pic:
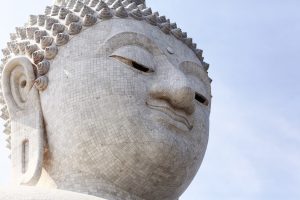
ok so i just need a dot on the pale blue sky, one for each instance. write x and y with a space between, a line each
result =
253 47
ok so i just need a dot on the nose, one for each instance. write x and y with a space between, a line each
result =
173 87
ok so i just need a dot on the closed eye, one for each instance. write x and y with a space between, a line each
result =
133 64
201 99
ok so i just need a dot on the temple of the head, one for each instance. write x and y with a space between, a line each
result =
103 100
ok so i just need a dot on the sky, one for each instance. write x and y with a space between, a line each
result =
253 49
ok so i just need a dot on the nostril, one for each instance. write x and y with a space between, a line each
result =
201 99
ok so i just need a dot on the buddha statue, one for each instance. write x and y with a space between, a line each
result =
103 100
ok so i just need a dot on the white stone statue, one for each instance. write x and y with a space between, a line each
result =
106 99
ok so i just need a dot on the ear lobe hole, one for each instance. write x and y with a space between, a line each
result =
25 152
23 84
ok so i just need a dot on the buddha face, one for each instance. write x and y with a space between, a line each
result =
127 107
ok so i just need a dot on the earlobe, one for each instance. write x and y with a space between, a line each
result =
27 129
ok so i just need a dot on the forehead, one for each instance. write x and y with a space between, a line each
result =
115 33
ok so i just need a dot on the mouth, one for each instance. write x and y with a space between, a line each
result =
174 115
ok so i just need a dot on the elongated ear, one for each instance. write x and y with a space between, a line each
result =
27 129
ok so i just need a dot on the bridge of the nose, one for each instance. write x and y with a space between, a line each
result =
172 85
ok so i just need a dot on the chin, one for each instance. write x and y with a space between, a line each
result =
151 167
157 159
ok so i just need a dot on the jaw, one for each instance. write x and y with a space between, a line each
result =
151 168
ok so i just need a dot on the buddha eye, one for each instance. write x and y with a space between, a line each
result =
201 99
133 64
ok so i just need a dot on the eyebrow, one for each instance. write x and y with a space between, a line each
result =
192 68
132 38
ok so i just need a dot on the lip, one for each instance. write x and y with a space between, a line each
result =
174 115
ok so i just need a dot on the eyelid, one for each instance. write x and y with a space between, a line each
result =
136 54
192 69
133 64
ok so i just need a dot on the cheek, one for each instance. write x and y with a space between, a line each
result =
200 133
121 81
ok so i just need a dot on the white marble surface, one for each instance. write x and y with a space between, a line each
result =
121 113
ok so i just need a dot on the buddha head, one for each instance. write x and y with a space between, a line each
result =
105 98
